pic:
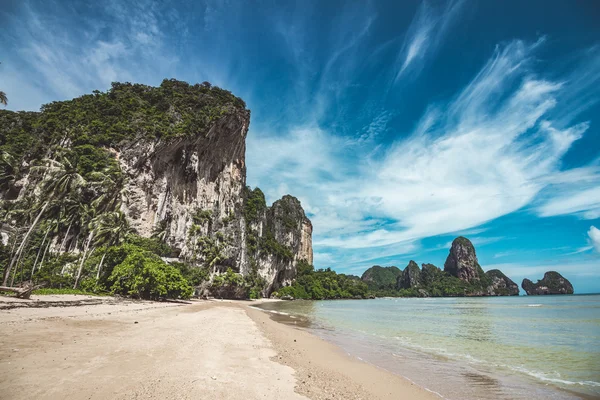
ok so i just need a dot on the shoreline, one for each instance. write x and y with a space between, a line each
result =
124 349
324 370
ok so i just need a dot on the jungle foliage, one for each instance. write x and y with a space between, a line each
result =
323 284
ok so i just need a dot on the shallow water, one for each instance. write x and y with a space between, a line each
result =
477 348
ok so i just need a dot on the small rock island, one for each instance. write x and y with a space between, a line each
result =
552 283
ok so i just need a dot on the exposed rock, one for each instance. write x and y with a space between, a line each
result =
381 278
171 182
286 235
201 182
411 276
501 285
462 261
552 283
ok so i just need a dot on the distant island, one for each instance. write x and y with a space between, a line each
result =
462 276
552 283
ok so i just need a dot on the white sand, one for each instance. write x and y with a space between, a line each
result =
202 350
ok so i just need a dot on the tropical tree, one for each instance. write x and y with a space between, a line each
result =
112 192
3 98
88 223
58 179
111 231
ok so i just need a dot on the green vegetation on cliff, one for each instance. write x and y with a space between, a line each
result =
381 278
121 114
323 285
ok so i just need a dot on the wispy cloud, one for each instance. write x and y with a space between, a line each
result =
424 35
482 159
65 56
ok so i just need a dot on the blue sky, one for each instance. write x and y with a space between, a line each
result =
399 125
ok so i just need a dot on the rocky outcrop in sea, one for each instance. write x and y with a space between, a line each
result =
551 283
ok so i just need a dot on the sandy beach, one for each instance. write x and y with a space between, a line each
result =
84 347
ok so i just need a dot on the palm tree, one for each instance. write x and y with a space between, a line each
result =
112 192
112 230
58 179
3 98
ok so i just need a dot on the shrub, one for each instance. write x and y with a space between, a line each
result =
144 275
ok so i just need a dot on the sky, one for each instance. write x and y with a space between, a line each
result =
399 125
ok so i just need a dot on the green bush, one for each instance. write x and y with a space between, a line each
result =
144 275
194 275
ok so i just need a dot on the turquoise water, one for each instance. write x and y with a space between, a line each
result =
480 348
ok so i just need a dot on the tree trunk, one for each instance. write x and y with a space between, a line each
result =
39 252
100 266
85 252
44 256
62 245
19 252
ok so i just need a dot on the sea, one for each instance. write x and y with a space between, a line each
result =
525 347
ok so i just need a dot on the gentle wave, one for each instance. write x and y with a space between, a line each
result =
544 377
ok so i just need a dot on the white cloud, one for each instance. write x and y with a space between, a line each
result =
487 153
426 31
486 157
63 57
594 235
574 200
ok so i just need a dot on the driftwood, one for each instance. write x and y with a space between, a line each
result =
22 292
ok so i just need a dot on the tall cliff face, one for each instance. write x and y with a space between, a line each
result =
462 261
190 188
279 237
170 159
411 276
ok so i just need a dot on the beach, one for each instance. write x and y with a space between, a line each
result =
85 347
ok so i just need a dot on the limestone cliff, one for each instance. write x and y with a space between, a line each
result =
551 283
411 276
278 236
170 160
462 261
